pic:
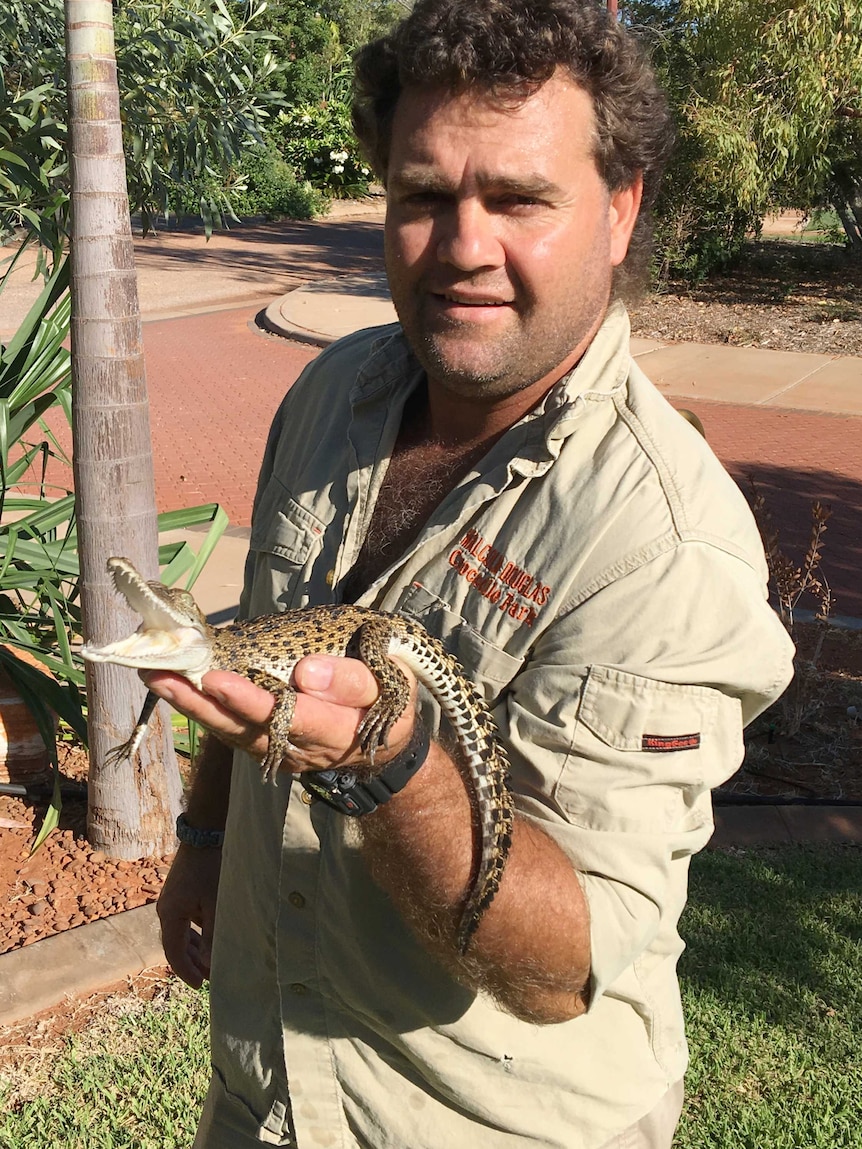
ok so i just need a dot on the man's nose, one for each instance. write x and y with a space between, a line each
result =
468 238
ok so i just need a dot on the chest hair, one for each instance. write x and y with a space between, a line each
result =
421 472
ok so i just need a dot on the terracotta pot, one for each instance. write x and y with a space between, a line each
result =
23 757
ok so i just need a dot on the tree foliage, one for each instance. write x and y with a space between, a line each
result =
768 100
197 83
313 131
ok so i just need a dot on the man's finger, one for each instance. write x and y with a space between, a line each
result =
230 693
231 707
240 696
346 681
181 945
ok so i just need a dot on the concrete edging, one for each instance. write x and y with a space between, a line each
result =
78 962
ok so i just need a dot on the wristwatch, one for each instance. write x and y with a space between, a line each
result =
201 839
346 793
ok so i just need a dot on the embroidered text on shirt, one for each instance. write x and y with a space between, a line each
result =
508 586
662 742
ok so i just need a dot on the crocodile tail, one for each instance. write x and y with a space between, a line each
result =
487 764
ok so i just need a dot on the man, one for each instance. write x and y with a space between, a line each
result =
499 469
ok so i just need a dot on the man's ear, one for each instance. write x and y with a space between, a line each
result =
623 213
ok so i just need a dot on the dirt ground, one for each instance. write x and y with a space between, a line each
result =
785 295
65 883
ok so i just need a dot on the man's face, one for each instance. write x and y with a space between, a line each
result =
501 237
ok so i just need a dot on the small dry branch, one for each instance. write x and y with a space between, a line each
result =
791 581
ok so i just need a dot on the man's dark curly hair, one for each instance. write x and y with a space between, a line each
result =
509 48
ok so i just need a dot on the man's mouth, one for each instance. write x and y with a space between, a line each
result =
463 299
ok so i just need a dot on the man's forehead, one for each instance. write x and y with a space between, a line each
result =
427 119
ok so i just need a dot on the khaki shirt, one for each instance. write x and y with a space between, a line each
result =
602 580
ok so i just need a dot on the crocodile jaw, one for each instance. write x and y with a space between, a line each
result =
183 650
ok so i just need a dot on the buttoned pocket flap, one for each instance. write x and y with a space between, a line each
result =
284 527
630 712
645 752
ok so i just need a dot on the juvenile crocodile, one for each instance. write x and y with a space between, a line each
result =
174 635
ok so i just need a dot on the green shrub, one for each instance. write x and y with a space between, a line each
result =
272 188
317 139
263 184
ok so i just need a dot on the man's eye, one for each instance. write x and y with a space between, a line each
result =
517 201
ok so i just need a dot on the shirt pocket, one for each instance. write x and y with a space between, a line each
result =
285 540
489 667
645 753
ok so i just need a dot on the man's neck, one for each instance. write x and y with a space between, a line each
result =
423 469
457 420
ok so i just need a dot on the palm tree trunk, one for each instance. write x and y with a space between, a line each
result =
131 806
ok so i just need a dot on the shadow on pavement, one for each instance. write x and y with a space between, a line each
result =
305 248
789 495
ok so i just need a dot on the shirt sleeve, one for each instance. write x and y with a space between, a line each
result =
630 710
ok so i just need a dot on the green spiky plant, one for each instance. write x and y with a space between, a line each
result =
39 573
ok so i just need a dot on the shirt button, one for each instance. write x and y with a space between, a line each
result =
298 988
296 900
330 577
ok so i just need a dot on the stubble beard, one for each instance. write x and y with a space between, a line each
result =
454 357
490 371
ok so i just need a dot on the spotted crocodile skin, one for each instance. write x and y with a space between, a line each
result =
175 635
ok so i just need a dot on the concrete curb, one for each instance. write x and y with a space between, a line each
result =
272 321
762 825
328 309
78 962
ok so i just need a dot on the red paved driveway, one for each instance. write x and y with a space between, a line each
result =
214 387
796 458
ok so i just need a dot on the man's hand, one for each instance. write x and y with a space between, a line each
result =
188 900
333 695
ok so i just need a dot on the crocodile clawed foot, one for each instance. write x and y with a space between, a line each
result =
279 734
373 730
120 754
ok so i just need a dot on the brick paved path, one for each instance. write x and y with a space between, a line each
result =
214 387
796 458
215 384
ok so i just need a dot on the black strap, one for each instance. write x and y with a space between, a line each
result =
344 791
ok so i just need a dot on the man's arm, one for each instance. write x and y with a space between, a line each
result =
531 950
189 895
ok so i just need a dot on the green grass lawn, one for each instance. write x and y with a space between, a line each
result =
133 1078
772 985
772 982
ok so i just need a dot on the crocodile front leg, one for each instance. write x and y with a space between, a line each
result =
373 639
280 723
125 751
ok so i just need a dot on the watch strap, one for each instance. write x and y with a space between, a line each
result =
200 839
353 796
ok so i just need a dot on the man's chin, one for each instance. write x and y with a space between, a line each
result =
457 363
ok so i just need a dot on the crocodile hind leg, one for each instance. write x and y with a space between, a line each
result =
125 751
373 639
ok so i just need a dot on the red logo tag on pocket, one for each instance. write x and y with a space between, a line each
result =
664 742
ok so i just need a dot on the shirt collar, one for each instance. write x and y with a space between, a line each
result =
601 372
